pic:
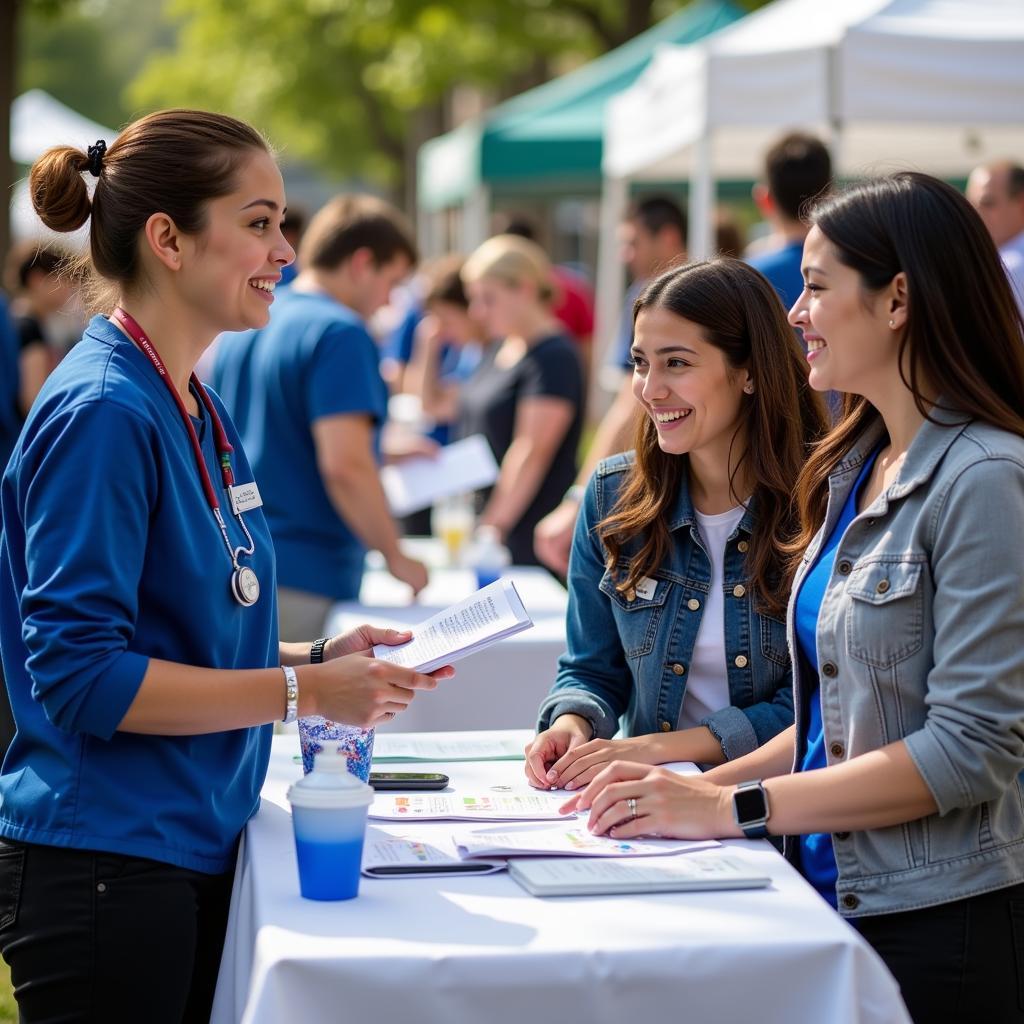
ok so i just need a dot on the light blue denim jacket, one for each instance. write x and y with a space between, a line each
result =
921 639
628 655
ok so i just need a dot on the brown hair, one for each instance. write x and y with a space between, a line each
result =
741 315
444 282
963 335
351 222
172 162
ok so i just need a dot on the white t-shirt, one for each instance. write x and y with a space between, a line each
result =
707 687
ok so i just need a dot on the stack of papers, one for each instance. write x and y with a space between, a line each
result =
561 877
472 625
386 856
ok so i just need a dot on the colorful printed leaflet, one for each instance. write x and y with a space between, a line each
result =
386 856
566 841
468 807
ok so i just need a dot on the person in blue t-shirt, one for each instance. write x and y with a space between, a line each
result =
797 169
138 620
309 401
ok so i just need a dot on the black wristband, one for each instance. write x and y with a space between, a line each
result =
316 650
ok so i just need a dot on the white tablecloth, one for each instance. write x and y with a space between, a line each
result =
500 688
479 949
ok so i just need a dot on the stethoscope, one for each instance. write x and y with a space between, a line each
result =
245 585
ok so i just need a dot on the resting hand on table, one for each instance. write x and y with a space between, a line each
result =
352 686
566 733
581 763
626 800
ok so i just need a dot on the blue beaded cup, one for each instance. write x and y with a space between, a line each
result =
317 733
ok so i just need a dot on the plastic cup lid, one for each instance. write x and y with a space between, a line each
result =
330 785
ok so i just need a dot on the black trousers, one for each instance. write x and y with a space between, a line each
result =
957 963
102 937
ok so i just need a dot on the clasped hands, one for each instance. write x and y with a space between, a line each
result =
627 798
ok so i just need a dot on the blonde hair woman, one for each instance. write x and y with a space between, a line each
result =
526 396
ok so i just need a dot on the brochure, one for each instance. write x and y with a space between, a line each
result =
387 856
595 877
467 807
566 840
442 746
472 625
462 466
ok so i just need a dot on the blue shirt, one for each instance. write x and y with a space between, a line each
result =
817 859
10 418
111 556
624 336
314 359
782 268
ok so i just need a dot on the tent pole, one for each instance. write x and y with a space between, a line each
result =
702 200
476 218
610 287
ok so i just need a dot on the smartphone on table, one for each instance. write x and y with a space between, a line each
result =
408 780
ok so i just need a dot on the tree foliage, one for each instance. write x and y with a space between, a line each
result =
338 82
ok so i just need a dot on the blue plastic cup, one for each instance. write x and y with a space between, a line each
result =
329 819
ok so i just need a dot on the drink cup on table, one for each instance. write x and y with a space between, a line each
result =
329 819
317 734
452 521
489 557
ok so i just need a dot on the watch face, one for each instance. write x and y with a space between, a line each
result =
750 804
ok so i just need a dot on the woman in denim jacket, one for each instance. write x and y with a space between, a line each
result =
907 613
677 580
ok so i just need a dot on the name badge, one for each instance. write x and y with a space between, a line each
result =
244 497
646 588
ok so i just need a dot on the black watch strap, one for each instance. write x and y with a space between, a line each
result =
316 650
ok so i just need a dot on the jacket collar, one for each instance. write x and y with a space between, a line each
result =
683 514
927 450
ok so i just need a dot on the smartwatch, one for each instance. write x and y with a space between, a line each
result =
750 809
316 650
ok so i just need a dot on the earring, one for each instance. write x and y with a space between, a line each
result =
748 388
892 323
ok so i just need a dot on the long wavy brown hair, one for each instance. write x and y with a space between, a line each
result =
964 336
740 314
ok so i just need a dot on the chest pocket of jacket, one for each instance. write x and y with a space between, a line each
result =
885 622
774 645
638 619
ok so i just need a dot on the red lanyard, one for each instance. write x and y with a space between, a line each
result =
224 448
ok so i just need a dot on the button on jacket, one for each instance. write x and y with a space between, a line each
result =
628 654
921 639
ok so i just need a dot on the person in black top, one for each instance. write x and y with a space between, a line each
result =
526 396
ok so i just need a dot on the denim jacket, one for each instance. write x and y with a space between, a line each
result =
921 639
627 654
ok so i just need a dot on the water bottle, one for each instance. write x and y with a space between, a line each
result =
329 808
490 556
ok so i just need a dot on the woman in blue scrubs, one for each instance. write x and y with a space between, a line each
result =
137 582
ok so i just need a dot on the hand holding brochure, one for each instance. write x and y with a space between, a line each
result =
465 465
468 807
591 877
472 625
565 840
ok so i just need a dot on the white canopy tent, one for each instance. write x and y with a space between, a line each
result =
935 85
39 121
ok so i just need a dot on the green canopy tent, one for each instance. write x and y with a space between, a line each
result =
548 140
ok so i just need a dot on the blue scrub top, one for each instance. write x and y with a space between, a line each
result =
314 359
111 556
817 858
782 268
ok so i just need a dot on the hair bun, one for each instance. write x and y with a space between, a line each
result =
59 193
